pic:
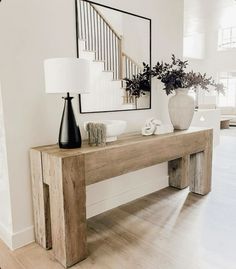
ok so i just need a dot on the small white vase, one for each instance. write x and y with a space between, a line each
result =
181 109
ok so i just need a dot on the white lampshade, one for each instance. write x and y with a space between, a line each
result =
67 75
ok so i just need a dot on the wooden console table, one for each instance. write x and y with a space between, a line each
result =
59 178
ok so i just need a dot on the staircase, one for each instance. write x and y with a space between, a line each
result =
100 44
107 93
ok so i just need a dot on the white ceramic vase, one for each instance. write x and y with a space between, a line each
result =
181 109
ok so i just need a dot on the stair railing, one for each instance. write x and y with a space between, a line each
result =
100 37
131 68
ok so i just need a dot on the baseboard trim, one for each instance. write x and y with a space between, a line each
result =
5 235
23 237
18 239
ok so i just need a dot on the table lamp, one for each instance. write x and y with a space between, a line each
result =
67 75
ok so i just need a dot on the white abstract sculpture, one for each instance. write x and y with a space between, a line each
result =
154 126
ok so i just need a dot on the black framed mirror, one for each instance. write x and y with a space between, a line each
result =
116 42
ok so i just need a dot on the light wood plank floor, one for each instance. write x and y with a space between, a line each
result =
169 229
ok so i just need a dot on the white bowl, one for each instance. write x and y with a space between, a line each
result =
114 128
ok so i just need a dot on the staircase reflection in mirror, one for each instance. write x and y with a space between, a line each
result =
116 43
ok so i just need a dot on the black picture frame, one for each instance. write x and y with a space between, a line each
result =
150 52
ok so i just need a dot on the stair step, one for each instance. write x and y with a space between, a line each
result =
108 71
89 50
102 61
89 55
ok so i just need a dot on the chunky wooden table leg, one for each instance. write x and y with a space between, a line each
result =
200 173
40 193
179 172
201 169
68 211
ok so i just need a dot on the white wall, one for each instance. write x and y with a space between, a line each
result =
5 204
136 43
194 46
32 30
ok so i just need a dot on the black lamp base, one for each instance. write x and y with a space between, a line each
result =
69 135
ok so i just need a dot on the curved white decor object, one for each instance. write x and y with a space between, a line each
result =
181 109
114 128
